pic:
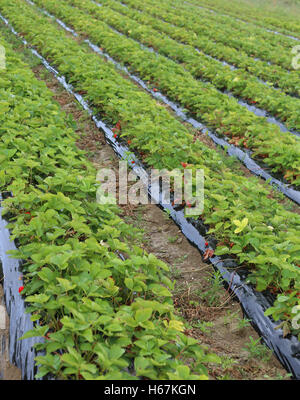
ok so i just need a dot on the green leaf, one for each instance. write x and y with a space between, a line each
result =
129 283
66 284
143 315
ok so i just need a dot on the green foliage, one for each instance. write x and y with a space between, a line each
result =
70 243
101 317
283 16
213 295
165 19
257 350
269 243
226 116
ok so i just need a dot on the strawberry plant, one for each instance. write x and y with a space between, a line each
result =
77 286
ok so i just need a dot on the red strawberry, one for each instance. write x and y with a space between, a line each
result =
21 288
206 244
184 164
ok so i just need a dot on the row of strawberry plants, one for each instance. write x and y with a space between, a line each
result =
270 232
102 318
286 24
278 76
278 55
228 23
254 133
239 82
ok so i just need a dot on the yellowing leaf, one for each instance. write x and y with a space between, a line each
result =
241 225
177 325
66 284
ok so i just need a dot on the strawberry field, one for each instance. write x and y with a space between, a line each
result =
202 84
